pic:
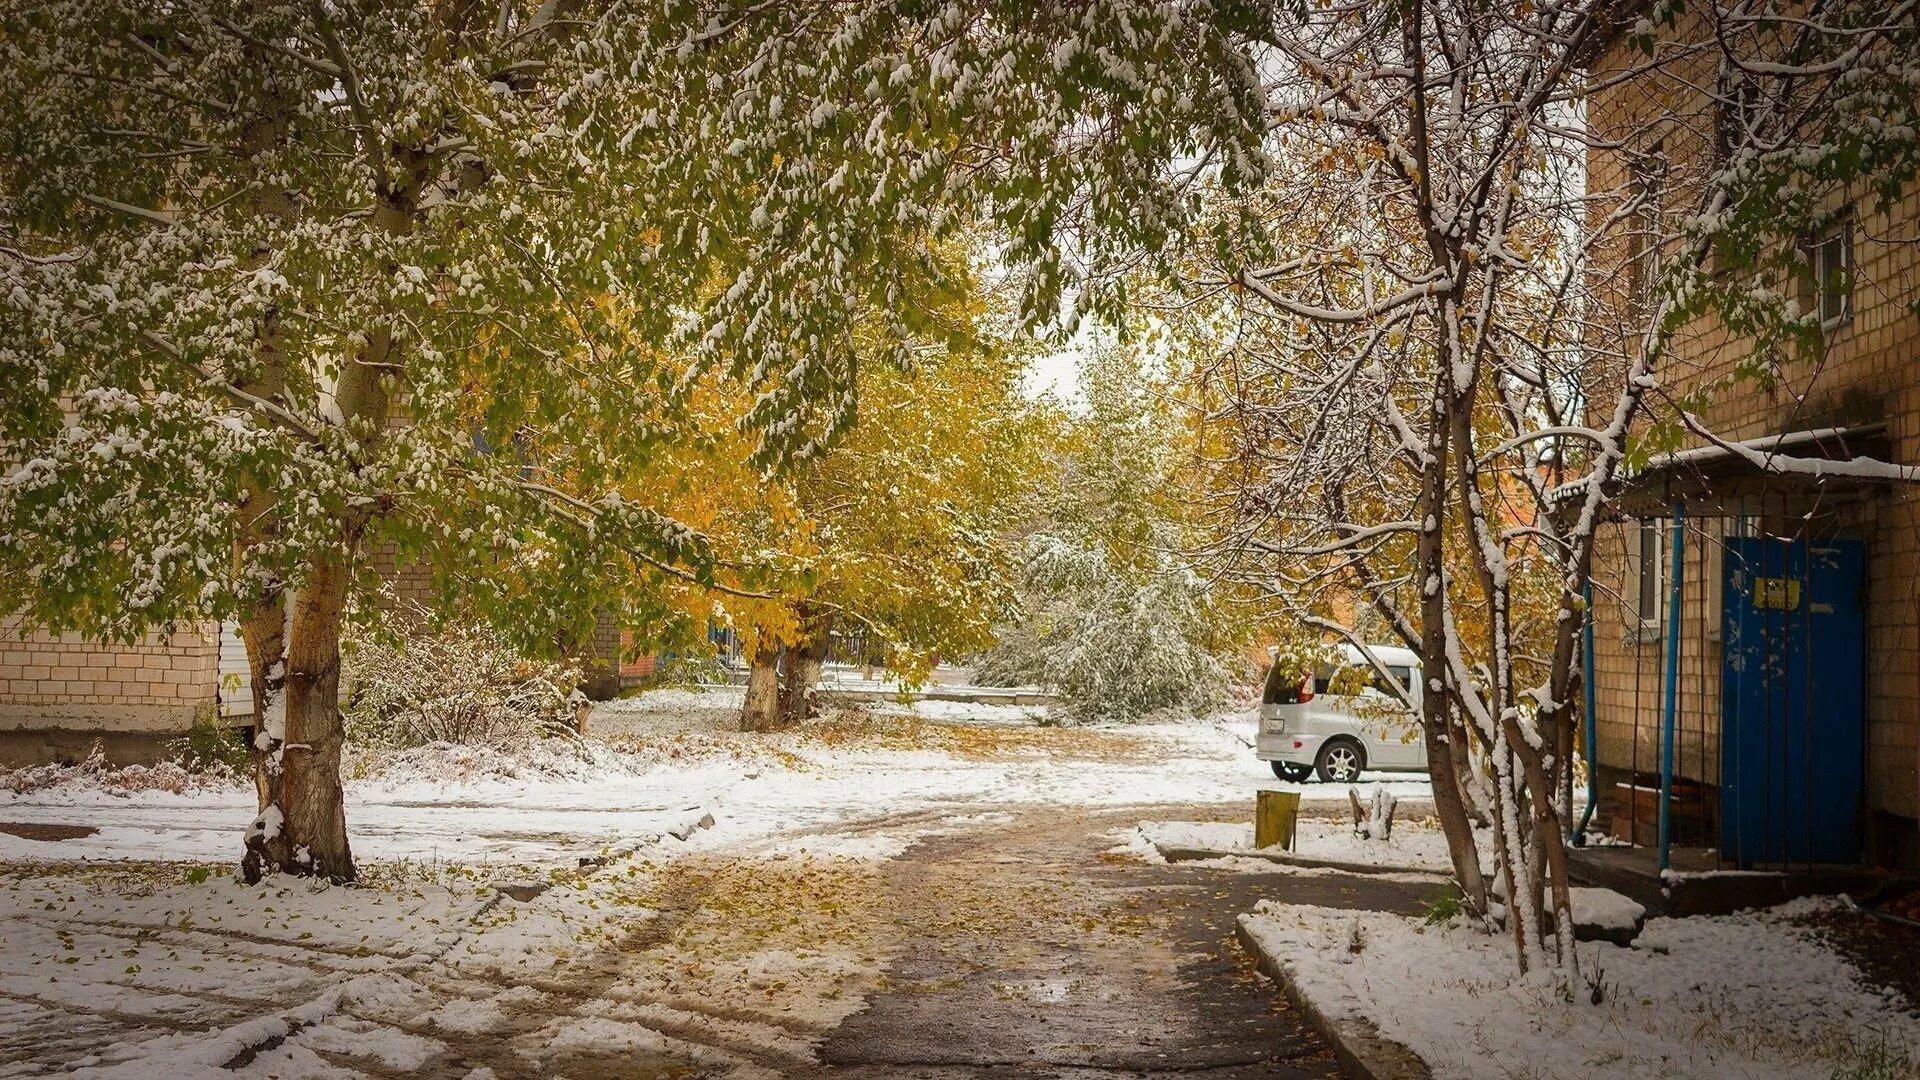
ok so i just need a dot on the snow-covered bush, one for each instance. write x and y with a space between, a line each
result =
96 773
462 685
1115 644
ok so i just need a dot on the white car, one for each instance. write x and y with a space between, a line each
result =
1306 730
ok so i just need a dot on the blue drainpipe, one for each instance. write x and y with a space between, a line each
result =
1673 685
1586 714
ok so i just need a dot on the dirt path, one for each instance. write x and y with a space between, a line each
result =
996 945
1027 952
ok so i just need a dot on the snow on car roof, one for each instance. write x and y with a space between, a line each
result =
1388 654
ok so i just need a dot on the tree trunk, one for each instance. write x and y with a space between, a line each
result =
762 709
1463 775
801 701
1449 804
263 631
302 824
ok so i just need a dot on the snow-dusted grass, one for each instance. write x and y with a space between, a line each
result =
1743 996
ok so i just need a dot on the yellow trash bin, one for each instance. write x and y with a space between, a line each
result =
1274 814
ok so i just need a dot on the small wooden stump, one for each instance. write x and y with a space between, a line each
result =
582 711
1377 823
1274 815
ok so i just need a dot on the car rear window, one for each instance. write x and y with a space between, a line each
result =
1281 688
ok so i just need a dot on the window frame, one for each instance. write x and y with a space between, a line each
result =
1823 275
1645 252
1652 573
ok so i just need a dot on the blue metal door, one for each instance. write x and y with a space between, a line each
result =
1793 701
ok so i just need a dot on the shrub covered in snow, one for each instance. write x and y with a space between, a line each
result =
462 685
97 773
1114 618
1117 644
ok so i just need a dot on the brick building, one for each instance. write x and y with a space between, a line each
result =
1796 682
59 693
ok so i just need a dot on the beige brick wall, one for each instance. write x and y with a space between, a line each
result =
62 681
1870 373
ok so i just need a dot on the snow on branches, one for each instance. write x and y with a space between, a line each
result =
1427 340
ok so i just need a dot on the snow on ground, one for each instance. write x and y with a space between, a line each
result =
661 752
738 945
124 976
968 712
1414 845
741 944
1604 909
1739 996
136 971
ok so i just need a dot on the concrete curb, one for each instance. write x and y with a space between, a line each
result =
1363 1053
685 827
1174 853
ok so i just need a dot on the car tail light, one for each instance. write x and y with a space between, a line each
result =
1306 689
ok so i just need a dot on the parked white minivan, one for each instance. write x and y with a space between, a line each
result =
1306 730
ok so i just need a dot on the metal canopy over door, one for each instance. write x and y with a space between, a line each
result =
1793 710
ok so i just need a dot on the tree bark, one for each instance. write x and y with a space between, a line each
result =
762 709
801 701
1449 804
263 631
302 824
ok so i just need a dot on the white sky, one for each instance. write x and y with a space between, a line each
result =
1058 374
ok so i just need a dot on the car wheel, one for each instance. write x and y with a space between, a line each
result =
1340 761
1287 770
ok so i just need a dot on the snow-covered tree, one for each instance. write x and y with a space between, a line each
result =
296 293
292 291
1113 614
1430 366
1116 642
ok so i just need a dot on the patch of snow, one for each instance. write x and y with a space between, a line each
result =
968 712
872 846
352 1037
1725 997
1221 835
1604 908
602 1036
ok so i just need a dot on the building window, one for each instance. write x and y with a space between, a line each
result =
1831 256
1644 231
1653 593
